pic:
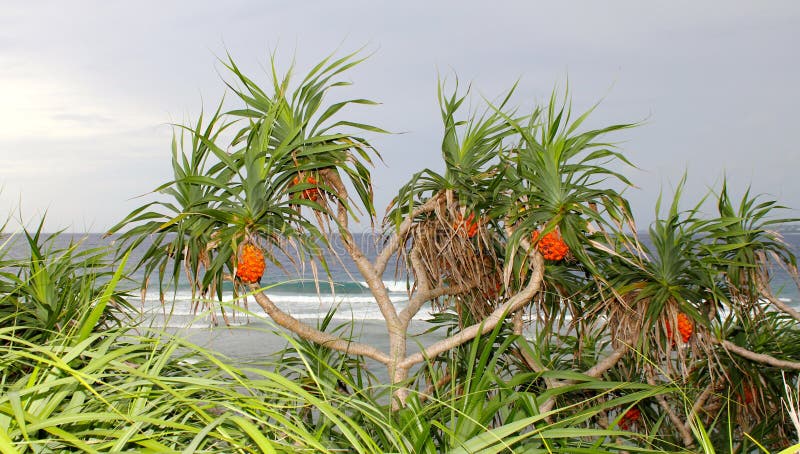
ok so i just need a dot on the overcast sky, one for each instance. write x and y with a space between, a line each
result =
87 88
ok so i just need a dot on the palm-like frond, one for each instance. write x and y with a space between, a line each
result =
45 294
250 189
666 278
559 178
470 152
743 245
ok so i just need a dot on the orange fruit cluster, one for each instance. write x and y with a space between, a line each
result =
551 245
630 417
467 226
311 194
685 327
493 293
749 394
251 264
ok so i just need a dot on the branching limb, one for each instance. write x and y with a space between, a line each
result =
512 305
395 241
766 292
686 435
757 357
312 334
373 279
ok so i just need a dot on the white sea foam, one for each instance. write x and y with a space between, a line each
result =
180 310
279 298
393 286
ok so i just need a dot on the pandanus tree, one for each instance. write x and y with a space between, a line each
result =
527 217
756 346
678 303
251 192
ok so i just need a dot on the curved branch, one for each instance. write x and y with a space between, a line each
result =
422 283
512 305
608 362
312 334
421 297
688 439
595 372
757 357
395 240
373 279
698 404
433 387
424 291
532 362
766 292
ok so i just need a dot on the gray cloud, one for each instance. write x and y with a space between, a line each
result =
715 82
85 119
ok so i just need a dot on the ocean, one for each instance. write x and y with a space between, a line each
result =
294 291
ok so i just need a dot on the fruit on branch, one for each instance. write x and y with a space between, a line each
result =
685 327
468 226
311 194
749 394
629 418
492 293
551 246
251 264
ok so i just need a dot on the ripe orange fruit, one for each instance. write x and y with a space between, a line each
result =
493 293
251 264
551 245
311 194
749 394
630 417
685 327
467 226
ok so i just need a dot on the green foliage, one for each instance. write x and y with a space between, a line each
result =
470 150
558 176
250 188
120 389
743 246
59 290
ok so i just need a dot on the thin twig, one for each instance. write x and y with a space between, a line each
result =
701 400
766 292
688 439
428 393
